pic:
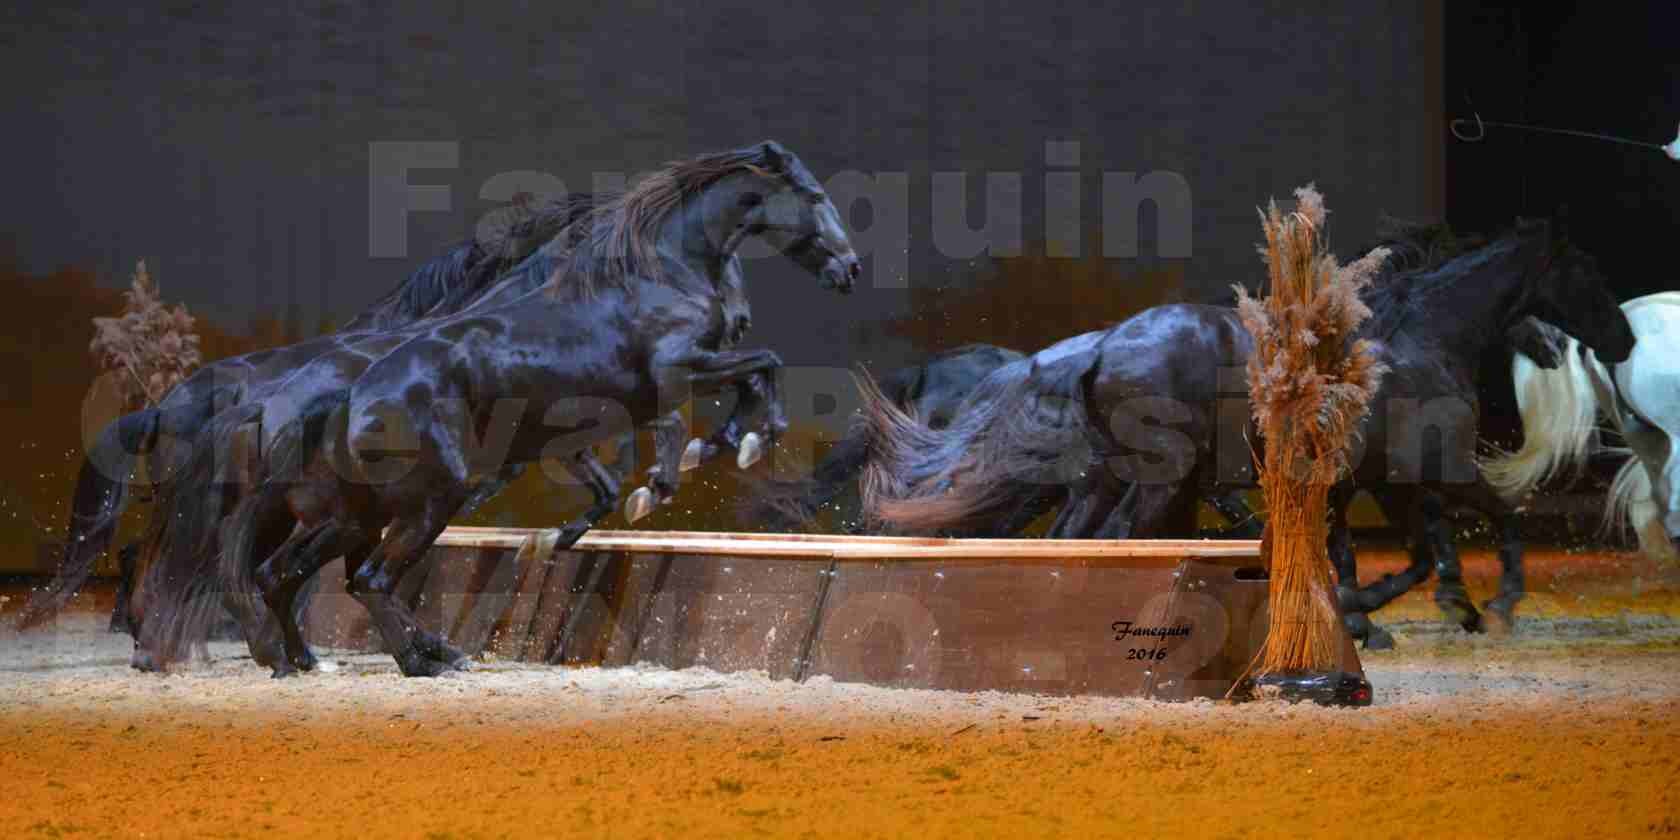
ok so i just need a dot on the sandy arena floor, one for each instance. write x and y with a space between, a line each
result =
1568 727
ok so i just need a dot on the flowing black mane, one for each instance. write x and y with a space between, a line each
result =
1424 260
452 280
1420 246
619 238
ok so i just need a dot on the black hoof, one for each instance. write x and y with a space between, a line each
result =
283 672
1456 606
419 665
1371 636
1498 618
268 654
306 662
145 662
436 647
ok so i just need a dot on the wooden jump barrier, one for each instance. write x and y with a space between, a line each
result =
1162 619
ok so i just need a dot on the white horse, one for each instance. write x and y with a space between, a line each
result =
1639 399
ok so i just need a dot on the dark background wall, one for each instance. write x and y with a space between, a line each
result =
1601 67
231 146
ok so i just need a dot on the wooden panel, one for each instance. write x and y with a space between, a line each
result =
334 618
729 614
974 625
532 562
644 582
554 604
487 596
1165 619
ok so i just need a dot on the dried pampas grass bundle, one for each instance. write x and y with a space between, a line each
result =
1311 383
153 342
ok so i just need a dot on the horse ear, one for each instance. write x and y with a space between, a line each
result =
775 156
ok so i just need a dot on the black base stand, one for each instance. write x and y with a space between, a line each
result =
1335 688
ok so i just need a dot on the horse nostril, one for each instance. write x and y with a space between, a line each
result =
854 270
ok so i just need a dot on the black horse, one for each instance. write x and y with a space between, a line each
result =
464 275
627 329
325 375
931 392
1128 420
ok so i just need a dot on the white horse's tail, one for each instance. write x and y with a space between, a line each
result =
1630 505
1560 423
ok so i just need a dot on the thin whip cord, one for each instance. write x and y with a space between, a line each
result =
1458 128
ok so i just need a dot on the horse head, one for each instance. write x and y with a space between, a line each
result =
796 217
1565 287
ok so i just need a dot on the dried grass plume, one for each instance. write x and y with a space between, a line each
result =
1311 382
153 343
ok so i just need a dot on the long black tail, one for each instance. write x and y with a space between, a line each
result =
793 504
1022 432
295 446
181 595
102 489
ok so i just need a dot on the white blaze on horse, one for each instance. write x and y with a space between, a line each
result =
1639 399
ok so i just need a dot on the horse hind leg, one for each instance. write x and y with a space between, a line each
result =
1450 594
1500 614
374 583
127 561
601 482
280 577
1346 562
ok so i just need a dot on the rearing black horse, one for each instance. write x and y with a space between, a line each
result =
629 325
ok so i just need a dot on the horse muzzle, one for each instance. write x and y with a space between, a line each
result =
841 273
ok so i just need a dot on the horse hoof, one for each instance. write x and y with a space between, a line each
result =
1379 639
639 504
464 664
145 662
752 449
283 673
419 665
1497 621
691 455
327 666
1456 606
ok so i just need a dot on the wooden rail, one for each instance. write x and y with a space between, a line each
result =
825 547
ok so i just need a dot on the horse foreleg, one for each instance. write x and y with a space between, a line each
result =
669 433
1400 507
489 488
758 390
